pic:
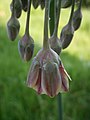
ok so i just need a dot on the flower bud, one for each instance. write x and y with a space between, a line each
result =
42 4
24 5
13 27
55 44
35 3
66 35
17 7
77 18
26 47
66 3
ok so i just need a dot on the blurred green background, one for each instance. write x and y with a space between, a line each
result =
17 102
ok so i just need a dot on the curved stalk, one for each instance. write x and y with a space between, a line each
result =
45 39
80 4
28 18
72 11
13 10
57 10
51 16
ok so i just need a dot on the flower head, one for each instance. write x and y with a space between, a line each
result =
47 74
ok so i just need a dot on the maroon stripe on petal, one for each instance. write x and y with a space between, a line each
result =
38 83
64 79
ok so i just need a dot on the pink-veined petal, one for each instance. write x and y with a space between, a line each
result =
51 79
33 74
64 77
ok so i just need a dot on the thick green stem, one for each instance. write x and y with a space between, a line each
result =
28 18
51 17
60 115
72 11
52 23
45 39
57 10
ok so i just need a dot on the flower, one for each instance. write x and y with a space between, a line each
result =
47 74
26 47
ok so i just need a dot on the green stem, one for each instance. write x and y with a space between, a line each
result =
60 115
45 39
51 16
57 15
51 23
80 4
72 11
13 9
28 18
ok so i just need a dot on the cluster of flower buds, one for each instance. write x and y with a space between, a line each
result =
47 74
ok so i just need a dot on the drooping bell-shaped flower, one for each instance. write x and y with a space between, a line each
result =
47 74
26 44
54 40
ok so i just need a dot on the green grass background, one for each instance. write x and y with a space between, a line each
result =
17 102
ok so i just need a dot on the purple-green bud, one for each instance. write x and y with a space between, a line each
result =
66 3
66 35
26 47
17 8
77 18
42 4
55 44
35 3
24 5
13 27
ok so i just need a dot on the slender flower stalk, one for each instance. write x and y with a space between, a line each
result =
54 40
45 39
72 11
57 10
77 17
67 32
26 44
